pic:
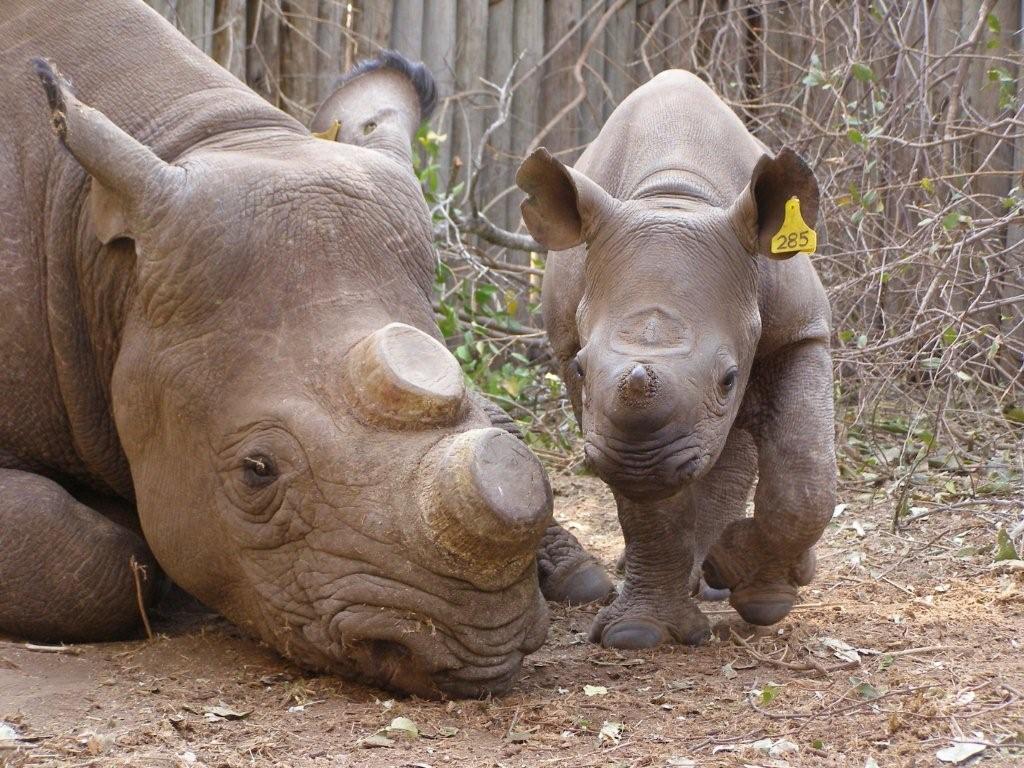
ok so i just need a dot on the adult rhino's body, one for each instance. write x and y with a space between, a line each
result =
217 329
696 357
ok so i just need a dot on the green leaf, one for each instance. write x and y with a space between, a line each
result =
1014 413
769 693
949 336
865 689
993 23
855 136
951 220
862 72
928 185
404 726
1004 547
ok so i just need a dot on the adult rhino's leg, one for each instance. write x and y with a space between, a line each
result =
764 559
655 605
65 569
567 572
721 498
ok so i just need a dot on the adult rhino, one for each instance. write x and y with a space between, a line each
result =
218 354
695 353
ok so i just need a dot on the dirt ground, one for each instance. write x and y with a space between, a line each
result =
904 646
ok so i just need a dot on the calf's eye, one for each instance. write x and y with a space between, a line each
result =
576 368
729 380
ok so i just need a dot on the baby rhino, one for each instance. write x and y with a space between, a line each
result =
696 358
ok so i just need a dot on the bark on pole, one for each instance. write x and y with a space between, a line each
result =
407 28
228 47
470 66
329 34
262 50
528 42
591 112
651 38
499 171
559 86
298 57
620 55
372 26
439 29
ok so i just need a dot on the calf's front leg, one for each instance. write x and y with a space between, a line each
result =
655 605
765 558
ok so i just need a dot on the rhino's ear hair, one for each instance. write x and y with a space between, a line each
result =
563 207
123 170
379 104
760 209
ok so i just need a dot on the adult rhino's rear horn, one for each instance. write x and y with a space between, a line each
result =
485 503
402 378
124 170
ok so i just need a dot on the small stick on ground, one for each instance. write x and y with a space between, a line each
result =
70 650
809 665
136 570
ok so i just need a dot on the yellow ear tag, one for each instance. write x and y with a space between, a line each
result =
331 134
794 234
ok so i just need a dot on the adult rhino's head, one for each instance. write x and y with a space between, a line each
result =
669 319
304 454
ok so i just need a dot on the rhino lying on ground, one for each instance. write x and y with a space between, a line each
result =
694 362
218 354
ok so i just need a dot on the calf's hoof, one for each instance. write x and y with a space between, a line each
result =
764 606
584 582
633 632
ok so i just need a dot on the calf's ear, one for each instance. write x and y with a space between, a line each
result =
379 104
563 207
127 177
758 213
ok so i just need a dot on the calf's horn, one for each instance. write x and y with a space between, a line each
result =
399 376
485 503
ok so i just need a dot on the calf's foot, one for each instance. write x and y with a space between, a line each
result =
764 585
633 622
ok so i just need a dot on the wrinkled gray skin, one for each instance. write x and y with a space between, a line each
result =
218 354
696 360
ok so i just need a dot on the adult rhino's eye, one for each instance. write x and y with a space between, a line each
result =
576 368
258 470
369 128
729 380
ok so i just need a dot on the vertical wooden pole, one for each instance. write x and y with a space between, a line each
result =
262 50
329 34
620 55
559 86
439 28
591 112
470 66
499 168
298 57
528 42
407 28
373 26
228 46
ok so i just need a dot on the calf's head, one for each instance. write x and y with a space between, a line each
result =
669 319
304 454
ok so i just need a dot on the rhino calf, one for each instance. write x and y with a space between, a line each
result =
218 354
696 359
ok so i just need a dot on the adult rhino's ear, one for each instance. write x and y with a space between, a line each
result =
563 207
379 104
758 212
124 171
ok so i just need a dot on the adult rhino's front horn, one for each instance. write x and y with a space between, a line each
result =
484 501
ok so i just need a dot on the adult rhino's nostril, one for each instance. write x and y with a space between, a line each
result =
637 380
486 504
400 376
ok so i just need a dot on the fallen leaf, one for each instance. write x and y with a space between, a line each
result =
960 752
1004 547
783 747
376 740
405 726
518 737
728 672
610 732
595 690
841 649
680 762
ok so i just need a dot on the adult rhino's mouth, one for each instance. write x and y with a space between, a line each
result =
415 654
